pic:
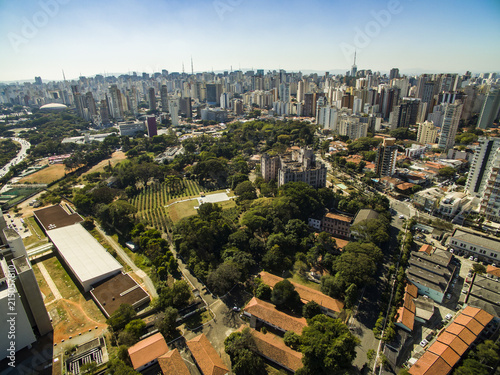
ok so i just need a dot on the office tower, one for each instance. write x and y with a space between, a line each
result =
427 133
404 114
451 119
484 178
394 73
185 108
38 81
490 110
152 99
151 125
388 98
385 163
213 93
308 105
357 106
164 98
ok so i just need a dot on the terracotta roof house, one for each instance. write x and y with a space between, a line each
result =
406 313
452 343
426 249
494 271
274 349
205 356
329 305
172 363
146 352
263 312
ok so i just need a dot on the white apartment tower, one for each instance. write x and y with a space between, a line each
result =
451 119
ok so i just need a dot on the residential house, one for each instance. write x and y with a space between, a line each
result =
146 352
171 363
206 357
261 312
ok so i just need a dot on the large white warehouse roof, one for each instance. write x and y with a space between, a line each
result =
87 259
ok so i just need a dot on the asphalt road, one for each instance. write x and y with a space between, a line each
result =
21 155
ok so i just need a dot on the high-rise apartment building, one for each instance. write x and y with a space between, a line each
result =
394 73
484 177
385 163
404 114
151 126
152 99
491 109
427 133
451 119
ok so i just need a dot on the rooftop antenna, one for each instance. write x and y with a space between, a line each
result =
183 67
64 77
192 69
354 57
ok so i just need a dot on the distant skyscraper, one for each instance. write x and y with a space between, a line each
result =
427 133
490 110
151 125
385 163
91 103
224 100
185 108
152 99
451 119
354 68
38 81
164 98
394 73
116 102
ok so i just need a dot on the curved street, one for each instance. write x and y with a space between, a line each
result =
21 155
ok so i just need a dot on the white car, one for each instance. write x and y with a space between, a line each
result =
423 343
401 216
448 316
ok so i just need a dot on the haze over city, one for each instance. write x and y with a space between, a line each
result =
45 37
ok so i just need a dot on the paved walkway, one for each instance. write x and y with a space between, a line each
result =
122 254
50 282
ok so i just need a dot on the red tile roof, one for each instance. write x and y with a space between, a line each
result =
338 217
495 271
430 364
172 363
406 313
206 357
426 248
273 347
147 350
268 313
307 294
453 342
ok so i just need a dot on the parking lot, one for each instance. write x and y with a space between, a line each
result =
17 223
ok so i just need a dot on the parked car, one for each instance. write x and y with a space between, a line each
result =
448 316
448 296
401 216
423 343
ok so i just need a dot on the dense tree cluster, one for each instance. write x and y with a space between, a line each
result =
9 151
240 347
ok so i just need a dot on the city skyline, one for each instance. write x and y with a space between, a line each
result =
43 38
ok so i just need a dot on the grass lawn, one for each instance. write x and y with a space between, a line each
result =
181 210
116 157
44 288
63 281
300 280
45 176
139 259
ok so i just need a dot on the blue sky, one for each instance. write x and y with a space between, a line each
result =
43 37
